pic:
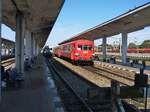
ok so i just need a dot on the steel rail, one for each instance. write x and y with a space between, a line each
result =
94 70
107 76
116 73
71 88
7 63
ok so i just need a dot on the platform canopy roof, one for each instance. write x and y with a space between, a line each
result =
130 21
40 15
7 42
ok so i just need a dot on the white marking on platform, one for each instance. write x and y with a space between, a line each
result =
109 66
124 69
51 83
119 68
60 109
56 99
54 91
131 70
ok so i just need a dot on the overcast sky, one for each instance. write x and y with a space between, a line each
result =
79 15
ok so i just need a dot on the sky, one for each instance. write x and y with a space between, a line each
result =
77 16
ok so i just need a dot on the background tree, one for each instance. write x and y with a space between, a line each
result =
145 44
132 45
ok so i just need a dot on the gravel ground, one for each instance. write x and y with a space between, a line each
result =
92 77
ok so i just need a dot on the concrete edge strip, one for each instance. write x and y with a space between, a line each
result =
56 98
120 68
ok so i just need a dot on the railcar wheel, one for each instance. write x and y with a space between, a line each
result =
73 62
92 63
76 63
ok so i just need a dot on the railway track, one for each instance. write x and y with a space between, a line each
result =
129 81
8 63
123 74
71 99
114 69
73 91
111 75
126 70
125 80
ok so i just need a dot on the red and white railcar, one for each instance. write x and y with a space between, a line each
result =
79 51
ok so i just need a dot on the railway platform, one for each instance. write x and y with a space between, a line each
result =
38 93
121 67
133 61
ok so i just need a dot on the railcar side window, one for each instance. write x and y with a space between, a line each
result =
79 47
84 47
69 48
90 47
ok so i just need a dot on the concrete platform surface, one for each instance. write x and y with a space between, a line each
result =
34 96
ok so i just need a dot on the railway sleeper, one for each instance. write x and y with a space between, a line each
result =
70 101
103 93
99 101
102 108
95 100
70 109
100 104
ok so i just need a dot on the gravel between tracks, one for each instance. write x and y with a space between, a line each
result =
128 69
92 77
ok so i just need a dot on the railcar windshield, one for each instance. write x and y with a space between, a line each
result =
84 47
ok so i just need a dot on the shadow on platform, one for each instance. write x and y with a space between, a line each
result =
34 96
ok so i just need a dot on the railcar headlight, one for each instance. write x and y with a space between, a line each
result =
93 54
77 54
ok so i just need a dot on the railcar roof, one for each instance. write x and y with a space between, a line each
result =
81 40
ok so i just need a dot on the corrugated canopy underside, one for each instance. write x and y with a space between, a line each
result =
40 15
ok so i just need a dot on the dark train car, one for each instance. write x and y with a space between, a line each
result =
47 52
78 52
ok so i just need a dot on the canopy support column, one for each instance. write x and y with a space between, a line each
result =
37 49
34 47
19 48
32 54
28 47
124 48
104 47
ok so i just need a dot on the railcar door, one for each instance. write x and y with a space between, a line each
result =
72 51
